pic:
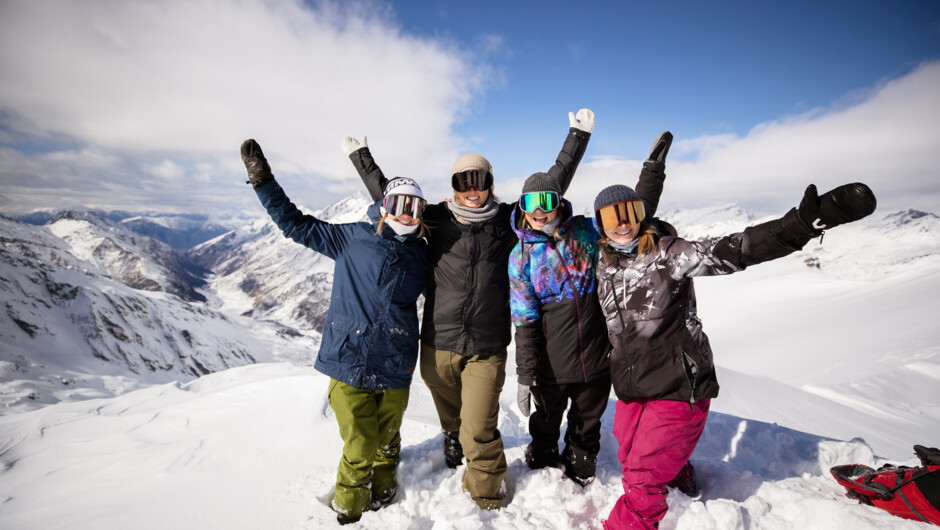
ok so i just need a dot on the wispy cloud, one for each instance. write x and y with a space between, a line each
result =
889 139
144 104
150 100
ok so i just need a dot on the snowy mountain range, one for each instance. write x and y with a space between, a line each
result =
195 368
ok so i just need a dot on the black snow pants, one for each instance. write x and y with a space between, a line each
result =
588 401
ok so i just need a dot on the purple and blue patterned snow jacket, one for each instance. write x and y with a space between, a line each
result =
561 334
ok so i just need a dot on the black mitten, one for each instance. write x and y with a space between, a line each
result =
929 456
661 147
259 172
847 203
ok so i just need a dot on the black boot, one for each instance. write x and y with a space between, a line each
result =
537 458
579 469
342 518
453 451
685 481
381 502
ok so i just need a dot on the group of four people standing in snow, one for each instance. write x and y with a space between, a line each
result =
594 303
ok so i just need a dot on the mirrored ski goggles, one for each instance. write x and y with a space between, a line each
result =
472 178
397 205
539 200
630 211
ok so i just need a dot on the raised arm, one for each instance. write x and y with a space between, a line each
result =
574 147
777 238
368 170
325 238
653 174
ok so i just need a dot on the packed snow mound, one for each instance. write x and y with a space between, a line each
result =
257 447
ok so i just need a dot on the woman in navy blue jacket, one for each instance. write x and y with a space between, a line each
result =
370 337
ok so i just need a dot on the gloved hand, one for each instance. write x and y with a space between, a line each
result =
660 147
350 145
584 120
523 393
847 203
259 172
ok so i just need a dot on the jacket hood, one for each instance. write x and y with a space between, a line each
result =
374 212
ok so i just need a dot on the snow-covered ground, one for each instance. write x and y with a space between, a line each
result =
257 447
819 366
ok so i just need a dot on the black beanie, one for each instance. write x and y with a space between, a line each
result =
613 195
541 182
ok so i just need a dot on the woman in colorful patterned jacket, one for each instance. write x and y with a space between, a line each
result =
661 364
561 337
370 338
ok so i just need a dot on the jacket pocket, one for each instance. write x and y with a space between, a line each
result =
342 340
401 354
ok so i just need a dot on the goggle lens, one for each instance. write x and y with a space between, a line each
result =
631 211
539 200
472 178
397 205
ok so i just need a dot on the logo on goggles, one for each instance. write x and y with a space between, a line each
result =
397 205
630 211
472 178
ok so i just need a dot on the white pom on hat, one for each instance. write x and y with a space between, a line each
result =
403 186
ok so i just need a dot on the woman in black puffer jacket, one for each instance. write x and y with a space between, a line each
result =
466 325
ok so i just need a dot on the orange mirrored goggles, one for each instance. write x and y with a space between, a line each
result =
630 211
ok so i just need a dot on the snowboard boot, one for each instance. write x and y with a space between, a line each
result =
344 519
580 469
686 482
379 502
453 451
537 458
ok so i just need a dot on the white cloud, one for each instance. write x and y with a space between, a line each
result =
889 140
183 83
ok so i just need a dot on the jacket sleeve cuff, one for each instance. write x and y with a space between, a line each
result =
578 132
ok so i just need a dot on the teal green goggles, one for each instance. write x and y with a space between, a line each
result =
539 200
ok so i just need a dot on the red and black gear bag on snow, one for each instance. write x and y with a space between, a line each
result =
908 492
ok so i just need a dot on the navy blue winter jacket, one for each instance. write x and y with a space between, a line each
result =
370 337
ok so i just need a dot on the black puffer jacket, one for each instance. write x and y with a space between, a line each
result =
466 307
660 350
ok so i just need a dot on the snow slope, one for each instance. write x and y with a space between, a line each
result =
829 356
257 447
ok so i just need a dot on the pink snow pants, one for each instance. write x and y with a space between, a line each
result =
656 439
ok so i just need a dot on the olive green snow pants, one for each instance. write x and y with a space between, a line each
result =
369 423
465 390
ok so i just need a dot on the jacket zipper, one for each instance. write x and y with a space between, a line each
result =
691 371
577 300
623 324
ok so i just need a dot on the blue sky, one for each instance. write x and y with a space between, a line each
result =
696 68
142 105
